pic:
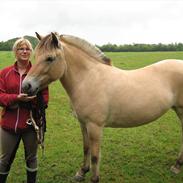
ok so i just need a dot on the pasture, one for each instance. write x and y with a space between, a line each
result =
134 155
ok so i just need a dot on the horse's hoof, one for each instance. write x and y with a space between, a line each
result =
175 169
95 180
79 178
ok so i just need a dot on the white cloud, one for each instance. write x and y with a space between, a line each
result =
100 22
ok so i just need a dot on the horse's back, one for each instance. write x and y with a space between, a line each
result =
145 94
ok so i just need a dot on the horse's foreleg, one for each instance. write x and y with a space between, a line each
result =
176 168
86 149
94 132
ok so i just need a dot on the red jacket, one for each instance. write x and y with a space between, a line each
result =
14 117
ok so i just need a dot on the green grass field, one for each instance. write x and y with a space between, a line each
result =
134 155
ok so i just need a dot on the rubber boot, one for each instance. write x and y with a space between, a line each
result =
31 177
3 178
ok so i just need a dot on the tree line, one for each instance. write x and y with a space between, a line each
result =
141 47
7 46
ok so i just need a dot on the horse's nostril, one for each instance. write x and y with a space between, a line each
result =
28 86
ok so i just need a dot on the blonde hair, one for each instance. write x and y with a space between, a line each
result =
20 42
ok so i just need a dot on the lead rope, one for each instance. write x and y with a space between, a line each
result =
42 130
32 122
42 126
38 130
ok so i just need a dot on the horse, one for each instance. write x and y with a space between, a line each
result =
103 95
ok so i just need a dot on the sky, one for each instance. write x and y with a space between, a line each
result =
97 21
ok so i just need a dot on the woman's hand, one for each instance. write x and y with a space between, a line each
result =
25 98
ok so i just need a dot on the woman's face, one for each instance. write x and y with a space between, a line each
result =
23 53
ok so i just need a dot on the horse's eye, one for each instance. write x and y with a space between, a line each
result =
50 59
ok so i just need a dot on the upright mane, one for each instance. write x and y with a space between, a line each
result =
87 47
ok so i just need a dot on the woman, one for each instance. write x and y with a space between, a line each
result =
17 112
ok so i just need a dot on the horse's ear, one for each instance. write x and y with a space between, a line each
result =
38 36
55 40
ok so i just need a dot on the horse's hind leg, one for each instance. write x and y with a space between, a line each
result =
176 168
86 149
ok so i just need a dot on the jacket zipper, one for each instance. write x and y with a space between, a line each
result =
18 110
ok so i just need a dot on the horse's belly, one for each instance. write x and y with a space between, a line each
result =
136 106
124 121
133 115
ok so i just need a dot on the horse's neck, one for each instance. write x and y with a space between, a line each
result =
78 67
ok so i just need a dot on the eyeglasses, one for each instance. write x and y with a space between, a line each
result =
24 49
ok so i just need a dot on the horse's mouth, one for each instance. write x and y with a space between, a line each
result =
31 93
29 90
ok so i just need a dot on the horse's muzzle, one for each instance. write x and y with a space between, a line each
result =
29 87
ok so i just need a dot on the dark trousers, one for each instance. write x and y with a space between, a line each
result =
9 143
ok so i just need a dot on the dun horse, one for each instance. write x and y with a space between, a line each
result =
103 95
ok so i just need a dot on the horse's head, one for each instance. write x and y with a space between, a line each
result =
50 64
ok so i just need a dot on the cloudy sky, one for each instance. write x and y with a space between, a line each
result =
98 21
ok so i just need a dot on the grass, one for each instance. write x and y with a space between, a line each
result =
134 155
